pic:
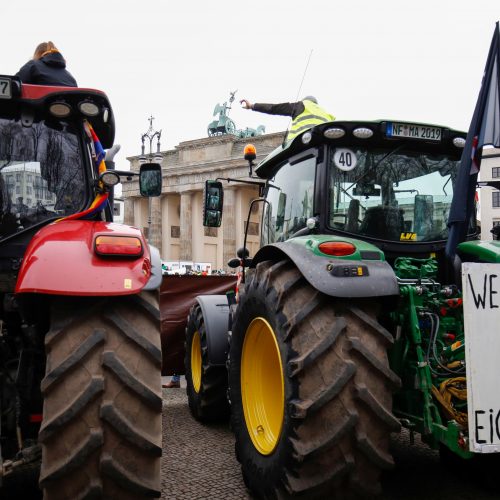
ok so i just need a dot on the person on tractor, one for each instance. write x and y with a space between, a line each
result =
48 67
305 113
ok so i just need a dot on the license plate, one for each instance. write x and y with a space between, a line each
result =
410 131
5 88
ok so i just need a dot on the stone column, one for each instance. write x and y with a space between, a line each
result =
155 208
186 250
228 227
128 212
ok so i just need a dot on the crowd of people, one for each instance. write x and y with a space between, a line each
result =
215 272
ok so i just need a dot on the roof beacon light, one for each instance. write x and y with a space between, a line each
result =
60 109
306 137
124 246
334 133
362 133
250 153
337 248
459 142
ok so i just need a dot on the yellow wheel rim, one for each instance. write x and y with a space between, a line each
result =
262 386
196 361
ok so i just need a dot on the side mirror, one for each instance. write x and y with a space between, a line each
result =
214 200
150 179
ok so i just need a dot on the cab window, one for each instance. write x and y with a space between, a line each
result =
290 201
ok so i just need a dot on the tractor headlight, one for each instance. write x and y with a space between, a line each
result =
334 133
88 108
60 109
362 133
459 142
306 138
109 178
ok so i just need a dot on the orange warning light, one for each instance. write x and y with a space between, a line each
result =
250 152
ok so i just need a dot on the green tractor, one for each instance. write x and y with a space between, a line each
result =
349 321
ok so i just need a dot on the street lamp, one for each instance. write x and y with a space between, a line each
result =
157 157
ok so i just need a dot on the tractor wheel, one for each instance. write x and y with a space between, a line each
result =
310 389
101 432
206 385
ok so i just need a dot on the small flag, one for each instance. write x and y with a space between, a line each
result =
484 130
98 155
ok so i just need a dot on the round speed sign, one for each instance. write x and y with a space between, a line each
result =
345 159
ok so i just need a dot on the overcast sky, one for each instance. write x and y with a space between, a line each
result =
414 60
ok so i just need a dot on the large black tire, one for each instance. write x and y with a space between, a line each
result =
337 419
206 385
101 432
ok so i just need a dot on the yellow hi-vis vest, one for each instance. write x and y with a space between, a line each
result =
311 116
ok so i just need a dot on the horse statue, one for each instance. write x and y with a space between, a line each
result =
223 124
251 132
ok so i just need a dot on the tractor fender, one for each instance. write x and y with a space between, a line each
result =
61 260
378 278
215 310
156 278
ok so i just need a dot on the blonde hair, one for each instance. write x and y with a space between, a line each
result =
43 49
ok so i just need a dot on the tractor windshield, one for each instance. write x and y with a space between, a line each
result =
393 195
41 174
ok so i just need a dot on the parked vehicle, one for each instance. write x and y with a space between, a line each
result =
350 318
80 385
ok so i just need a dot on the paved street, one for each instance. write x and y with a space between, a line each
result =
199 463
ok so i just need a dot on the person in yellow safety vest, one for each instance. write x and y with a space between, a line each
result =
305 113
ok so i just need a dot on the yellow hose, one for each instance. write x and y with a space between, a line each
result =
449 389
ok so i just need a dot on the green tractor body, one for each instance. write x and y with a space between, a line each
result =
350 318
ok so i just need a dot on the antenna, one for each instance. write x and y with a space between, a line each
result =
304 75
297 96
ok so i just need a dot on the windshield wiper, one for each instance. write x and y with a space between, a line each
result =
375 167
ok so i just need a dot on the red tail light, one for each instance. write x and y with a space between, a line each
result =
337 248
125 246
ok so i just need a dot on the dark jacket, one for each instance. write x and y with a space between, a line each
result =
48 70
292 109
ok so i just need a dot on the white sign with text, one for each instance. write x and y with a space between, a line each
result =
481 289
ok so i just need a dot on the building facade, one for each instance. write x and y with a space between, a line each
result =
26 187
173 222
489 198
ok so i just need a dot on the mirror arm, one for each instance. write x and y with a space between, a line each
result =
127 173
261 185
229 179
493 184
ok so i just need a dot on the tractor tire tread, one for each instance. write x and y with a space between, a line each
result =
336 435
209 403
101 432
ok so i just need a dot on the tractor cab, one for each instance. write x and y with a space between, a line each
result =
47 156
386 183
385 188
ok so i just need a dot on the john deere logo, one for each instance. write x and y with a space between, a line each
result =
408 237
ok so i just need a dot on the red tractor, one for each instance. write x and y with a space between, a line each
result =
80 386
